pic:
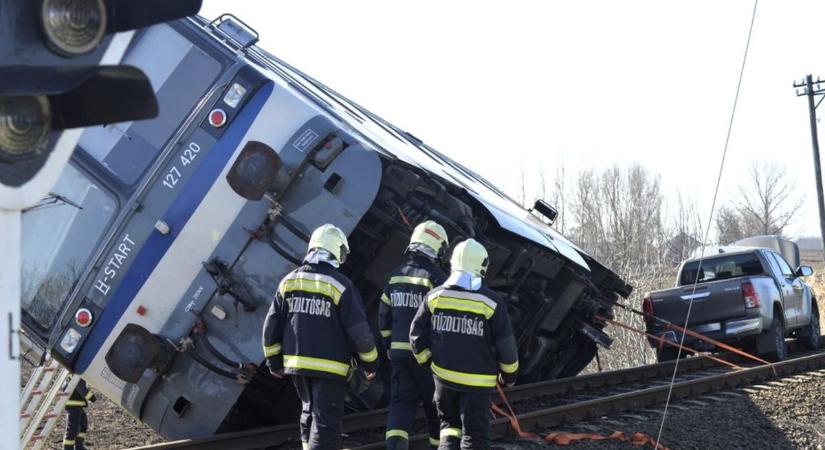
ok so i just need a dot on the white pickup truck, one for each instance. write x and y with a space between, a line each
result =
747 294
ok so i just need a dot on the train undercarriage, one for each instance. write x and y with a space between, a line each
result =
551 300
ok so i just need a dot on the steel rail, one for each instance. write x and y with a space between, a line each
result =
589 409
570 412
280 434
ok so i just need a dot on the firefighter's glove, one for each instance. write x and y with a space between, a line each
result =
275 364
369 367
507 379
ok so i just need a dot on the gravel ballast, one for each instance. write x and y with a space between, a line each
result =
788 414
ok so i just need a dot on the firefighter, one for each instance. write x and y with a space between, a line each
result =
311 332
462 332
76 421
409 283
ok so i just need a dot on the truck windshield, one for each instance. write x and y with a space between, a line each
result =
58 238
720 268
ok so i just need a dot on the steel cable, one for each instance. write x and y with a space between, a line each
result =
710 218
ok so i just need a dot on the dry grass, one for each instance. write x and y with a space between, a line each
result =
817 282
631 349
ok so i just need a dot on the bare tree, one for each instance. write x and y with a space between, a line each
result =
768 201
559 196
686 233
728 226
618 214
522 197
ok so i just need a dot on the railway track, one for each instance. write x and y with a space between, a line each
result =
545 404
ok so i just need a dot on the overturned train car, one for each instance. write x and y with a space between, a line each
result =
150 268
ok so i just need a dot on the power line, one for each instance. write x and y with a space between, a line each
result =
710 217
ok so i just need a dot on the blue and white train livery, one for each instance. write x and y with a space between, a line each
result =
150 267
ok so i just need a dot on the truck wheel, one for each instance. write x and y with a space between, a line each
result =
811 338
774 340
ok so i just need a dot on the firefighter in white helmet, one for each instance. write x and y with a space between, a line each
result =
462 332
313 328
409 283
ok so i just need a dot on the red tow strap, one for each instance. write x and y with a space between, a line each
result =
561 438
663 341
701 337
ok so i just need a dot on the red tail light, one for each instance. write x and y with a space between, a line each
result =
750 296
647 308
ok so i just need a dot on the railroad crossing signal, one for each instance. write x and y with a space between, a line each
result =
59 62
60 71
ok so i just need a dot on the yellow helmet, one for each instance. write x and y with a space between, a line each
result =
330 238
431 234
470 256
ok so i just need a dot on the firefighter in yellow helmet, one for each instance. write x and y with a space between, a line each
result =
314 327
462 331
409 283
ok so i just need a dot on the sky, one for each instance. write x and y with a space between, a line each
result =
529 85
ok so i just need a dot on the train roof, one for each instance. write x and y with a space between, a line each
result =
395 143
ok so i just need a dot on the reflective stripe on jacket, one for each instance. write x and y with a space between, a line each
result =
466 336
80 397
403 294
317 324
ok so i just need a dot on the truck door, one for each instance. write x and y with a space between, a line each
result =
791 287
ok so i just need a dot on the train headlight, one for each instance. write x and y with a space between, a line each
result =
24 124
73 27
234 95
70 340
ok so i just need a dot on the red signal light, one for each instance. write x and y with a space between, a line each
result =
83 317
217 118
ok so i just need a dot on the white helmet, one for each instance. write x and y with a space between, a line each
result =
431 235
470 256
330 238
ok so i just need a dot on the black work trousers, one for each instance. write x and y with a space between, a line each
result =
76 424
322 411
410 385
464 416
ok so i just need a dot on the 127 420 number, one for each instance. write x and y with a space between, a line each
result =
190 153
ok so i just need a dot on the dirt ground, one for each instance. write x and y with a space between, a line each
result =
110 427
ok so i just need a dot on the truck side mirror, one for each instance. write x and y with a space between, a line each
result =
804 271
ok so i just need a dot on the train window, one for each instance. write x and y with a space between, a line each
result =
59 235
180 74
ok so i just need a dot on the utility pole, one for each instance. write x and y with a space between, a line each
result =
811 91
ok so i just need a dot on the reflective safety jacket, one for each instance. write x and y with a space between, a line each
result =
403 294
316 324
466 338
81 396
